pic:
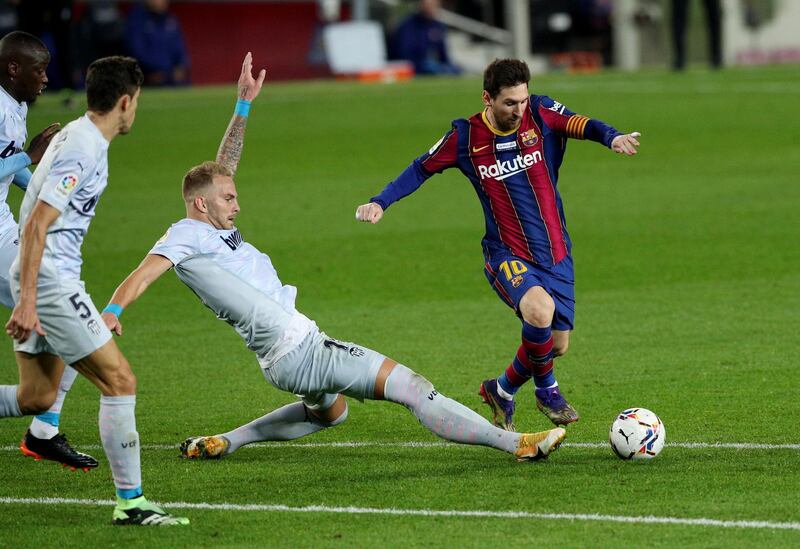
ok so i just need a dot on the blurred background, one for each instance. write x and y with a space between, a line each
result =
182 42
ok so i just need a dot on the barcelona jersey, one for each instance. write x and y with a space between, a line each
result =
514 174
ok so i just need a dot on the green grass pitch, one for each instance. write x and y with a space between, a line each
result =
688 270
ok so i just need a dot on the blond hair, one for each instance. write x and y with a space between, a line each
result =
201 177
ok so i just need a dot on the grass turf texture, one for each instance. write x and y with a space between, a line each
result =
687 277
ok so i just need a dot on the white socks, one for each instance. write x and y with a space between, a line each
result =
121 442
440 415
444 416
286 423
45 426
503 393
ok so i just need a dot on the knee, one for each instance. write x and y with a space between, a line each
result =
121 380
422 387
33 401
333 416
124 384
537 308
341 418
560 348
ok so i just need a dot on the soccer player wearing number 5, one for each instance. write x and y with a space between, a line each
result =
54 321
239 283
511 153
23 62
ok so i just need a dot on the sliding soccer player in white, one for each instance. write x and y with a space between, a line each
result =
238 282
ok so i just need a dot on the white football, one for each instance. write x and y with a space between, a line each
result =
637 433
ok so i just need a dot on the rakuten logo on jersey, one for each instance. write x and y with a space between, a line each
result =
500 170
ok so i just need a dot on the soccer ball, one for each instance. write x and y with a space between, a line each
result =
637 433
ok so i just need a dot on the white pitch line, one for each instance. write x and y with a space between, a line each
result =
368 444
752 524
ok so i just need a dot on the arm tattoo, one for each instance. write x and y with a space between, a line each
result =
230 150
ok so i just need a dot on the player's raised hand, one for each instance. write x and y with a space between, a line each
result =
40 142
24 319
626 144
249 87
112 323
369 213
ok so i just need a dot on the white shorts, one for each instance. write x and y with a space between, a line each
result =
321 367
9 246
71 322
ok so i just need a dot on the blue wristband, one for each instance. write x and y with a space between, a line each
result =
114 309
242 108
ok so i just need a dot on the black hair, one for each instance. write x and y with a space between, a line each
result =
17 42
108 79
505 73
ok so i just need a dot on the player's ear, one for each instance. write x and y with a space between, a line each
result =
124 102
486 98
200 204
13 69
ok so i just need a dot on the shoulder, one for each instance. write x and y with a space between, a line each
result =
70 150
76 135
537 100
10 124
81 140
7 104
181 240
185 231
461 125
547 103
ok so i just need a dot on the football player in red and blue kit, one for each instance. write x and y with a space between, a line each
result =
511 153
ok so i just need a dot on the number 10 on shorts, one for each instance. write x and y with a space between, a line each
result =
512 268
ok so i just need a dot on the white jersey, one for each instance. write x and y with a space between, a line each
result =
238 282
71 177
13 133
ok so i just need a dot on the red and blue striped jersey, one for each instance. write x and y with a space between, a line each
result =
514 173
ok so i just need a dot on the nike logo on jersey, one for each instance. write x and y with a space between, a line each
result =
233 240
479 149
501 170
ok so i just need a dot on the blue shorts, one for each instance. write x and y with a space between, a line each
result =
511 277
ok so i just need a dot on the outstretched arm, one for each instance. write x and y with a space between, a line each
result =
230 150
443 155
575 126
148 271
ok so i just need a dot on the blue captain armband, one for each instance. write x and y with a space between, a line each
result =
114 309
242 108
